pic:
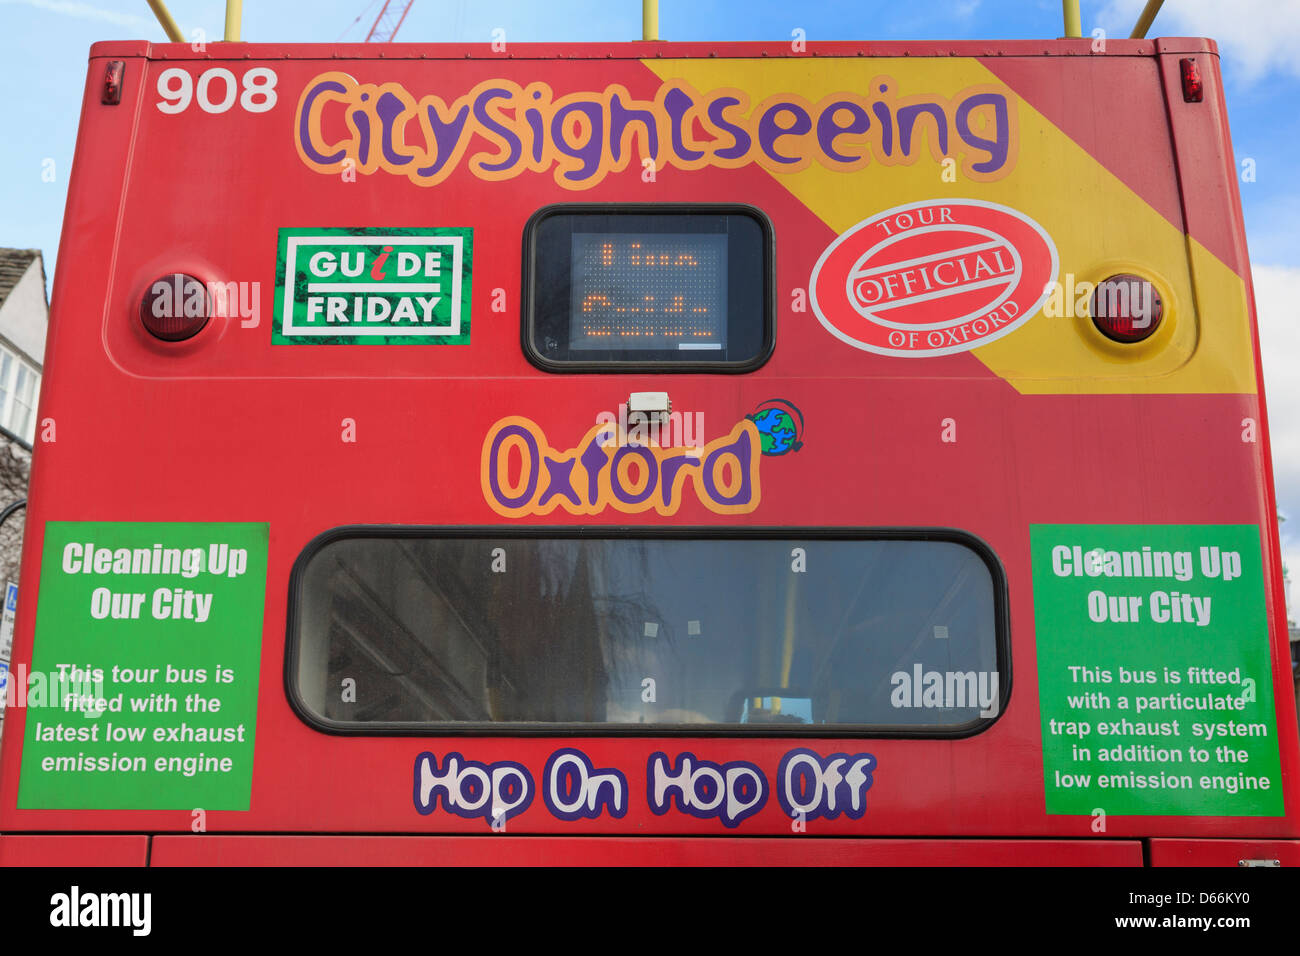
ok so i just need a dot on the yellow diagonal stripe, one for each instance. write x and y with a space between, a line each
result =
1099 225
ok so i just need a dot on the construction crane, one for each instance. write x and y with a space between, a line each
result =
389 21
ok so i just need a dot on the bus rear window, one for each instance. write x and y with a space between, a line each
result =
446 630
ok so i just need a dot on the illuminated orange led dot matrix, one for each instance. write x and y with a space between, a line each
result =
649 291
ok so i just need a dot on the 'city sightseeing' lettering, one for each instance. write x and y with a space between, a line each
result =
342 124
521 474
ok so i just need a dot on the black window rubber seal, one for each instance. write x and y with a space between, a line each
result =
1001 623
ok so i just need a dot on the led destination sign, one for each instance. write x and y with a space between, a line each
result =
668 287
637 291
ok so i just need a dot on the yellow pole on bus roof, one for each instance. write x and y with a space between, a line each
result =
168 24
1070 10
234 13
649 19
1144 21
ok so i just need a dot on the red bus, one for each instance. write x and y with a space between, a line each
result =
662 452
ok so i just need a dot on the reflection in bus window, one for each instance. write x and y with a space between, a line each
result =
750 632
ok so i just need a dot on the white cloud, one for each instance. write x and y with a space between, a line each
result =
85 11
1277 303
1254 36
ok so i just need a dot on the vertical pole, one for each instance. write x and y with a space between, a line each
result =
1144 21
234 13
1070 10
168 24
649 19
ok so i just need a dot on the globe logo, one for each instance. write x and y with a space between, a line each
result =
778 429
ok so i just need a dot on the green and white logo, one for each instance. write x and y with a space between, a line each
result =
373 286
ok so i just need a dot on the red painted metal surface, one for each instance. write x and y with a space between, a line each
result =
78 850
1223 852
209 850
257 420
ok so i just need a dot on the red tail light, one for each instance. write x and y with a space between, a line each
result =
1126 308
1193 88
112 94
175 307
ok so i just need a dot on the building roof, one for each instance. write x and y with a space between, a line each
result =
14 264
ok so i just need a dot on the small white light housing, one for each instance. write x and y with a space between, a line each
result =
650 403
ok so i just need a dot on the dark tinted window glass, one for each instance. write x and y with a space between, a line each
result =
746 632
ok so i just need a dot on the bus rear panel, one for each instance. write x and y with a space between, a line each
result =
661 453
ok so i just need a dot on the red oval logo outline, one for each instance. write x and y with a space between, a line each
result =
934 277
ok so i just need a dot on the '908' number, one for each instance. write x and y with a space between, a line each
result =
216 90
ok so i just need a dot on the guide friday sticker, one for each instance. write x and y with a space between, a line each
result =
143 689
1154 679
373 286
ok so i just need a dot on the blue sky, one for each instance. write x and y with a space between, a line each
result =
43 44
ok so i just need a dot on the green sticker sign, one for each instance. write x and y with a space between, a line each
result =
1154 676
143 688
373 286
